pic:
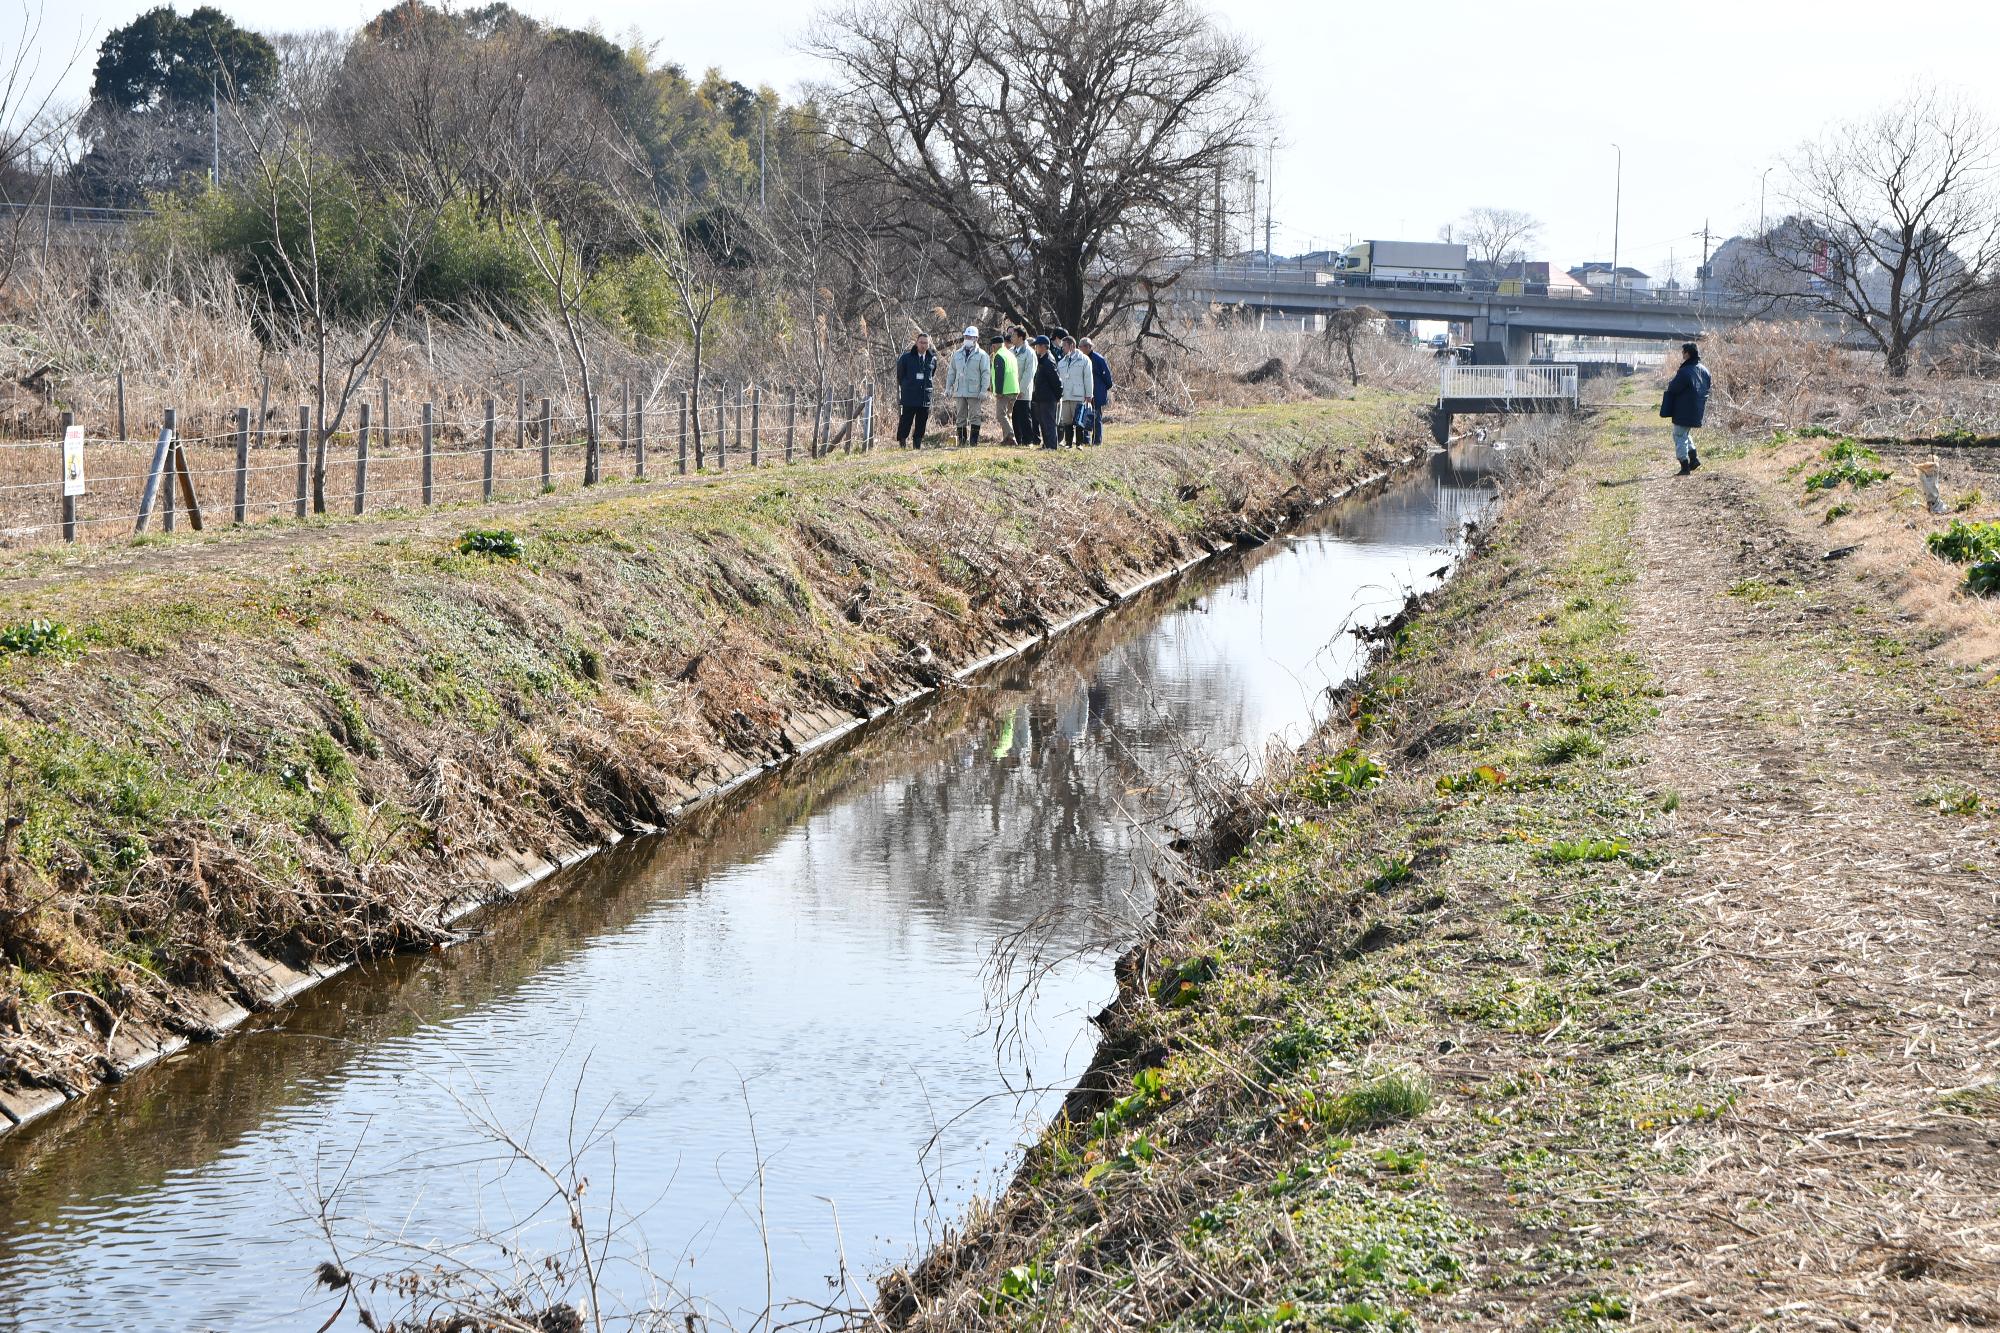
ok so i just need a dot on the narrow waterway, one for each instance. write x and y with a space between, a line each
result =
806 969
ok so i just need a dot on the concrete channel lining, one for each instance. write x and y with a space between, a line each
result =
270 983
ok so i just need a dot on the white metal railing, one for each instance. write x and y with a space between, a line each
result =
1539 383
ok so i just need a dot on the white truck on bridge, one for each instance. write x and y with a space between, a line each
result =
1403 263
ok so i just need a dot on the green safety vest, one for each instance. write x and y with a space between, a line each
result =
1006 375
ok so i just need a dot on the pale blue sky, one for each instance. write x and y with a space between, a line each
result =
1395 116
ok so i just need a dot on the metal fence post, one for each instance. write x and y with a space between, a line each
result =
429 464
791 418
684 433
624 415
486 459
756 424
242 464
548 442
305 460
361 464
170 421
121 407
722 432
639 437
520 412
67 420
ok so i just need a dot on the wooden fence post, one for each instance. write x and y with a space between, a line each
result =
624 415
170 421
486 456
121 407
791 418
684 433
305 460
520 412
548 442
739 419
756 423
429 464
361 464
847 431
639 437
242 511
67 420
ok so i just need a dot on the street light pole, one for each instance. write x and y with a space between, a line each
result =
1762 181
1617 214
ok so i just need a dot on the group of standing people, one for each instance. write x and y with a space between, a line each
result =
1047 391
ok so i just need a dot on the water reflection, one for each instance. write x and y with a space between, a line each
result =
816 947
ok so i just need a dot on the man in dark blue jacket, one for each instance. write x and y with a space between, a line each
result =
916 376
1100 389
1048 392
1685 402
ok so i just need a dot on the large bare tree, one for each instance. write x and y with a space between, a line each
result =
1060 154
1894 223
1496 237
33 126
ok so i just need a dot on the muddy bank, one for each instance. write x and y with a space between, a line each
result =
232 775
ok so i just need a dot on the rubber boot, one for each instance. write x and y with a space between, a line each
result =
1694 458
975 437
961 436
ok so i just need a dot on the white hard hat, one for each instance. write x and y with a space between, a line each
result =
972 330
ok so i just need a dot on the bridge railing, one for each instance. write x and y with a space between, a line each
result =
1282 277
1537 383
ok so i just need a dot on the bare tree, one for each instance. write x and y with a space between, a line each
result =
1060 154
32 126
318 221
1496 237
1344 327
1894 223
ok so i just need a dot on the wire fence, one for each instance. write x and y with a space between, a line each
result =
257 464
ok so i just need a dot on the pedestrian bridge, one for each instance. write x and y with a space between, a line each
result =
1483 390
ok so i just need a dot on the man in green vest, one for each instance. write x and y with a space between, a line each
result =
1006 386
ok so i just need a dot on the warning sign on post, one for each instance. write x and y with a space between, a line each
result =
73 461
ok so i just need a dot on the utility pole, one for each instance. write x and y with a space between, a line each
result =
1617 212
1270 194
214 133
1221 222
1763 182
760 156
1703 274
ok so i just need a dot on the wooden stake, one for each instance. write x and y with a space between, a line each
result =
486 455
361 464
429 446
62 480
242 510
305 460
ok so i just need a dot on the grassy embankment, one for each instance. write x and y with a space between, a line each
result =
310 745
1402 1057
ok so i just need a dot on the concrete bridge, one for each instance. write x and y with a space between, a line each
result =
1503 323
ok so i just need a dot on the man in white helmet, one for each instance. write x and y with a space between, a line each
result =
968 381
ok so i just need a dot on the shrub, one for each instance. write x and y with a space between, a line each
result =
1380 1101
1851 463
1983 579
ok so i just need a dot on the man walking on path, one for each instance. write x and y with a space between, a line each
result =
1048 392
1100 383
968 378
1006 387
1024 402
1685 402
916 376
1074 369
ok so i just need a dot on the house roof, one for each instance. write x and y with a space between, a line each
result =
1600 266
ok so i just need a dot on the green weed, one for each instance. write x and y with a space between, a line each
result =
1949 798
1339 778
1584 850
1850 464
1569 744
37 638
1983 579
1381 1101
1966 543
500 543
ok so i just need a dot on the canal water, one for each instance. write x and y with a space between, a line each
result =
769 1039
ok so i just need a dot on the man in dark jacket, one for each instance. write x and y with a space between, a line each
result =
1685 402
1100 384
916 376
1048 392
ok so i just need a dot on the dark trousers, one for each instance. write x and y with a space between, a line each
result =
917 417
1045 422
1024 421
1097 424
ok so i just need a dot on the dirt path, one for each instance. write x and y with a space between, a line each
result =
1849 930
